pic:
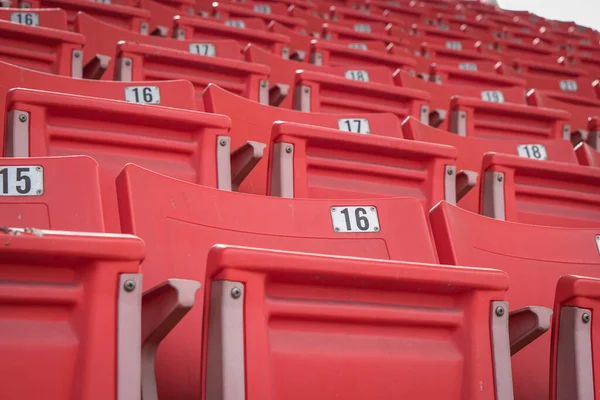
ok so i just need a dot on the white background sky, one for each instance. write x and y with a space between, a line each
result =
584 12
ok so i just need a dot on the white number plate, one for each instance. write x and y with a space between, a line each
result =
568 86
101 1
535 151
25 180
585 42
355 219
366 28
235 23
358 46
468 66
493 96
598 243
443 28
142 94
204 49
357 75
25 18
454 45
354 125
262 8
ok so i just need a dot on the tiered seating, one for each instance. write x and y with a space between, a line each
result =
364 199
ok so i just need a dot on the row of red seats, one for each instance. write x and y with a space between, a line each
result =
270 321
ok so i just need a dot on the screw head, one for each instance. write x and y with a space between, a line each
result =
236 292
38 168
306 90
500 178
376 229
76 54
499 311
332 209
586 318
288 149
129 285
128 62
372 208
263 84
39 191
223 142
336 229
450 172
22 117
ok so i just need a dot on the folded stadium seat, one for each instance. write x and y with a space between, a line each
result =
472 74
299 46
401 14
575 353
314 162
266 12
393 324
70 324
338 89
182 221
355 16
471 151
54 18
582 61
203 29
368 54
224 53
179 6
196 62
307 5
493 113
554 76
441 35
176 94
340 30
162 14
534 257
512 21
185 144
252 121
507 51
44 49
134 19
429 53
589 47
469 24
59 193
587 155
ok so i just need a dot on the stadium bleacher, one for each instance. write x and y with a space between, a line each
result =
297 199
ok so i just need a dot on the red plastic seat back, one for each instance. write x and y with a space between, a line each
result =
176 94
53 18
182 221
43 49
68 327
587 155
59 193
253 121
534 257
289 335
181 143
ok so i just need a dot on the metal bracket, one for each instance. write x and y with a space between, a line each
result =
223 163
302 98
263 92
179 34
124 70
465 181
243 161
437 117
96 67
160 31
77 64
424 114
574 365
163 307
144 28
450 184
298 55
278 93
17 134
526 325
493 195
225 372
458 123
129 335
316 58
501 351
282 170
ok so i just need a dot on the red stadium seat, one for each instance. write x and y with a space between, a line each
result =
471 151
587 155
44 49
339 30
441 35
176 94
252 121
313 162
203 29
59 193
394 324
185 144
181 222
495 113
534 257
140 62
469 74
574 360
507 51
339 89
401 14
70 324
266 12
131 18
53 18
162 13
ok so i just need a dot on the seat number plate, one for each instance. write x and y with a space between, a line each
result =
365 28
467 66
25 180
204 49
358 46
262 8
357 75
493 96
235 23
354 125
142 94
355 219
454 45
568 86
535 151
25 18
